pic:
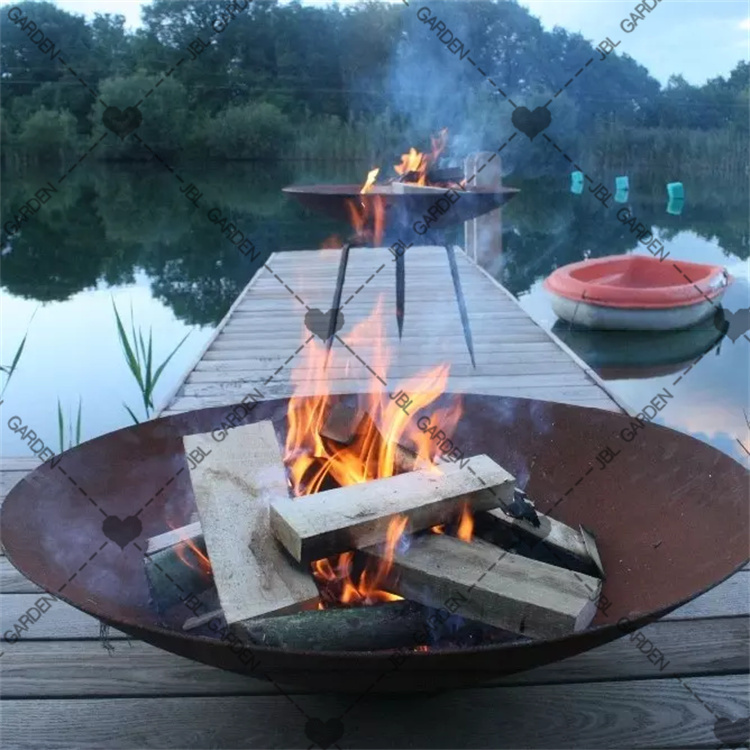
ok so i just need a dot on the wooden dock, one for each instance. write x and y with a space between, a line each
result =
61 688
258 344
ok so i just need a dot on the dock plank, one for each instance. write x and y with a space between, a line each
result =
691 649
515 356
648 713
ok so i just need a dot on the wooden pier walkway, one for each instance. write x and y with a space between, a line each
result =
61 688
260 337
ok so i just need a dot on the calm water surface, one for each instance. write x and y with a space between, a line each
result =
128 234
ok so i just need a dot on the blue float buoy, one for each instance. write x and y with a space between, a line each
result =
621 183
674 206
675 190
621 196
576 182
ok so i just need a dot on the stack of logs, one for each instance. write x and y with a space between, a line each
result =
527 577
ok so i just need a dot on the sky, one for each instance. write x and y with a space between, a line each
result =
699 39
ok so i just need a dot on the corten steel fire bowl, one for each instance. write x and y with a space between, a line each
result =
670 515
401 208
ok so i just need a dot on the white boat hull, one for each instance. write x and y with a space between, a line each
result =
633 319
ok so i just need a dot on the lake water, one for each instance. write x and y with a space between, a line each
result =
127 234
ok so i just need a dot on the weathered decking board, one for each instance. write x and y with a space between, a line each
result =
266 327
655 712
58 676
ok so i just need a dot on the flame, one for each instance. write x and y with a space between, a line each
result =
181 550
316 463
416 163
370 181
413 161
367 218
466 524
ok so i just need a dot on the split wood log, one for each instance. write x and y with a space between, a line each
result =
175 565
358 515
492 586
233 486
399 624
342 423
565 546
192 532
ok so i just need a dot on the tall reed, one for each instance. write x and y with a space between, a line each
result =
139 358
61 427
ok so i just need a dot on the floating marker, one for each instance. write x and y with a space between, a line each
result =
576 182
621 196
675 190
621 183
674 206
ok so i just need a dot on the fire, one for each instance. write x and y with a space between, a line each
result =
466 524
416 163
368 217
372 175
316 463
204 564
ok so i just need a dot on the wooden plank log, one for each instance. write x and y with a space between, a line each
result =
359 515
398 624
552 541
233 486
493 586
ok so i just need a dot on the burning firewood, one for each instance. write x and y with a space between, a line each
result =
345 423
342 423
399 624
493 586
359 515
551 540
175 563
233 486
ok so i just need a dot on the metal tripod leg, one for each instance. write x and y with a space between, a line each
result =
335 305
461 301
400 292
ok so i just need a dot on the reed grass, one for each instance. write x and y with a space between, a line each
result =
61 427
139 358
16 357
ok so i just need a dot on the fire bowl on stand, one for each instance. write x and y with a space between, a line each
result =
401 208
669 512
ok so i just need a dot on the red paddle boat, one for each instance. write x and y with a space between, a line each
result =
636 292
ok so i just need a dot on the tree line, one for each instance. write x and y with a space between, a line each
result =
358 81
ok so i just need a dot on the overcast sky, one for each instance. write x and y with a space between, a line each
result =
700 39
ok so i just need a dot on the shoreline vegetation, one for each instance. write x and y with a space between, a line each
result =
365 81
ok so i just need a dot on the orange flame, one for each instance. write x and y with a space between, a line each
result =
181 550
372 175
367 217
316 463
416 163
466 524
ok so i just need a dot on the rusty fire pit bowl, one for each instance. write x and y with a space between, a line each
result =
670 514
401 208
